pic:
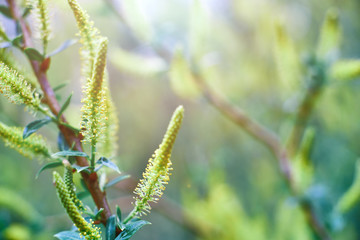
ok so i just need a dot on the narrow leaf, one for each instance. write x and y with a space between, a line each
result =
131 228
16 42
111 228
5 11
34 126
68 235
33 54
66 104
26 12
47 166
62 144
83 194
116 180
118 213
106 162
79 168
70 153
98 214
63 46
60 86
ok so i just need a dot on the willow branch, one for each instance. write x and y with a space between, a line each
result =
91 180
271 141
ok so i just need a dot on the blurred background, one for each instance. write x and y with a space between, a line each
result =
225 184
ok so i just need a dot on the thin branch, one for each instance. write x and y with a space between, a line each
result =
91 180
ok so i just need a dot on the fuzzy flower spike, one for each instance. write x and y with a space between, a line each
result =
16 89
85 228
156 175
94 108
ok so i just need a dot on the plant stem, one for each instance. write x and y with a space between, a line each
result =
131 215
71 137
92 159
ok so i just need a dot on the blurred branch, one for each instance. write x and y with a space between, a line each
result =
40 70
271 141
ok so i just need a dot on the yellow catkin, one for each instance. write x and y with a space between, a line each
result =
85 228
33 146
89 37
156 175
109 145
16 89
93 110
40 10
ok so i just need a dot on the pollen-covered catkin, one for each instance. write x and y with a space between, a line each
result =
89 38
156 175
94 108
85 228
33 146
16 89
68 179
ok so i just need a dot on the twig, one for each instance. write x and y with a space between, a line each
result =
91 180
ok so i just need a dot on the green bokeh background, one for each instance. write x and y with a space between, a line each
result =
222 177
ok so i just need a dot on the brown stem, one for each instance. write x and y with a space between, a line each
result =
91 180
271 141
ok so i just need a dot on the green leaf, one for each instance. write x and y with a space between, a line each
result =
34 126
63 46
80 169
48 166
62 144
70 153
131 228
34 54
352 196
116 180
60 86
83 194
111 228
68 235
26 12
66 104
106 162
16 42
118 213
98 214
5 11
